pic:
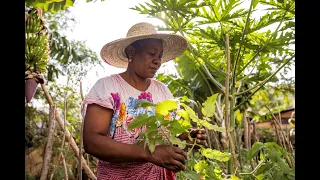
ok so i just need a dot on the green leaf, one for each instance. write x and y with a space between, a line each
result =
177 141
152 145
200 166
183 114
260 177
176 127
255 3
138 121
234 177
219 129
185 124
184 99
209 106
204 123
192 175
190 112
215 154
165 106
255 149
143 103
273 144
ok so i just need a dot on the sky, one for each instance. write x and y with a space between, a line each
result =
101 22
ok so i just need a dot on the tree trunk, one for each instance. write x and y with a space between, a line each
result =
81 139
68 136
48 150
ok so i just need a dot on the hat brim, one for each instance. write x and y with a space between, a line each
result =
113 53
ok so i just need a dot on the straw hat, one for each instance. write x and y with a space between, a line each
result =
113 52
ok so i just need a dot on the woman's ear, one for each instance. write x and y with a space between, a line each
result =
130 50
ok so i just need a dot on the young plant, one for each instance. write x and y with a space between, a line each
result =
165 121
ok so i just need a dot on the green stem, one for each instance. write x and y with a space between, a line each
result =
262 84
161 127
241 43
255 169
271 37
246 76
190 151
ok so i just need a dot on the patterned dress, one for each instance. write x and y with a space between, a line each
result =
115 93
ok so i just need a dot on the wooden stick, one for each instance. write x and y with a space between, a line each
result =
48 149
227 108
69 136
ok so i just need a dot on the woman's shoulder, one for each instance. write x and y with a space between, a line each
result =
158 83
107 79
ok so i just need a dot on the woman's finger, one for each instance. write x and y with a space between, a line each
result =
202 136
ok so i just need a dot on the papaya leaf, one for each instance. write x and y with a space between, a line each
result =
215 155
209 106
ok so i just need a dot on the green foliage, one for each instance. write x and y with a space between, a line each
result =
171 118
272 163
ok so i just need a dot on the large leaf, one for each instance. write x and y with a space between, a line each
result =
215 155
52 6
165 106
200 166
209 106
255 149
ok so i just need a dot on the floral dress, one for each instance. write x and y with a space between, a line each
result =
115 93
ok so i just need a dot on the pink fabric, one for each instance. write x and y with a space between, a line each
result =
115 93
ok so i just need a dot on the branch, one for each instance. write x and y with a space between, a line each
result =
68 135
241 43
271 37
48 148
262 84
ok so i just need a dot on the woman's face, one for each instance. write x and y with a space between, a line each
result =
146 58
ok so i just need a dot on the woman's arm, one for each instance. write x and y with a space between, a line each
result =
97 143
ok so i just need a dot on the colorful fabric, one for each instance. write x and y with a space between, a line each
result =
115 93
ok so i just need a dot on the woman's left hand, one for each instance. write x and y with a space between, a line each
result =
199 134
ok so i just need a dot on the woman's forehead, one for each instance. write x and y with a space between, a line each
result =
152 43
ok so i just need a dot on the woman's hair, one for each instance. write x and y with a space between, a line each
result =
138 44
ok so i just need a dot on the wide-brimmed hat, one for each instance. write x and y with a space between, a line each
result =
114 52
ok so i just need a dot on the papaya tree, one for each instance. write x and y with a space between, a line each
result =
221 30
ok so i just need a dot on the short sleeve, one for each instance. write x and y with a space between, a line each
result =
168 92
99 94
164 89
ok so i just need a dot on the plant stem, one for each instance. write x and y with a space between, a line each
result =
286 141
255 169
241 43
190 151
235 161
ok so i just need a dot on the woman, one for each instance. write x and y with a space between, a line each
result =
108 108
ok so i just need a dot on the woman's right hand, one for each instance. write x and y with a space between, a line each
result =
170 157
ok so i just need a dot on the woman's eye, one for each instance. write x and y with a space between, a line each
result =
152 54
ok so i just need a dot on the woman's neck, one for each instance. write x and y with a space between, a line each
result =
135 80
